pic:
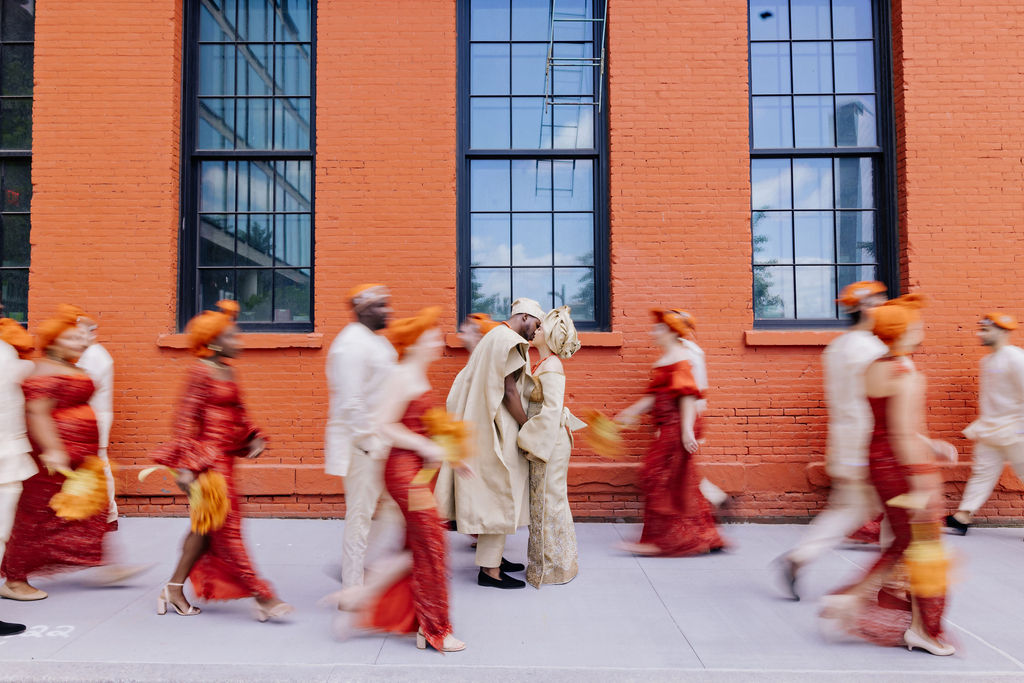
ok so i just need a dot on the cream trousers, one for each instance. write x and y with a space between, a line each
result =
9 495
489 549
986 469
364 491
851 503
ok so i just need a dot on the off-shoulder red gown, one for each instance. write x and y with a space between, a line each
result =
677 518
41 542
418 598
211 429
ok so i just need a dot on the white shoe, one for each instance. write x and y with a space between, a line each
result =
914 639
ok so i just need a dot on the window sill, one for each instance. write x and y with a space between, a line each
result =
254 340
789 337
588 339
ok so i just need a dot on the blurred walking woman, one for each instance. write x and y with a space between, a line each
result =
211 429
62 432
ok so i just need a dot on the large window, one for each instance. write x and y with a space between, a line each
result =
821 168
17 32
248 173
532 176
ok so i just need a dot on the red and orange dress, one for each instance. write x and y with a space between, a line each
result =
211 429
418 599
41 542
677 518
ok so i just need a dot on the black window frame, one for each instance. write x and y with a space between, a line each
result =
598 154
884 157
189 303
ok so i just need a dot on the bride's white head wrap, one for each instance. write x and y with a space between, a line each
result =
560 332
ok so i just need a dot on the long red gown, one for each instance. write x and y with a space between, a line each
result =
211 429
677 518
41 542
419 597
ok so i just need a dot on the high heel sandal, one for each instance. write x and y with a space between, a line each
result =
913 639
279 610
165 597
421 643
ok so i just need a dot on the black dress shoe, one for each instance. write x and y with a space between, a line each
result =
9 629
506 581
507 566
956 526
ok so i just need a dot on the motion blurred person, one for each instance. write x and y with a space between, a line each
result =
99 365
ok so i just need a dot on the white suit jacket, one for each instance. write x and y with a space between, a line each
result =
99 365
15 462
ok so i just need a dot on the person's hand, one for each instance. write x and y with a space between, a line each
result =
690 441
54 459
185 479
626 419
944 450
256 446
431 451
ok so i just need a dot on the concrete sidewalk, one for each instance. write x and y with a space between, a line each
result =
711 618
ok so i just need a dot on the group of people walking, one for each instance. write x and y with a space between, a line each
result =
513 435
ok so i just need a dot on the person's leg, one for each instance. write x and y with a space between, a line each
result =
112 511
985 472
712 493
850 504
9 494
194 547
363 486
489 550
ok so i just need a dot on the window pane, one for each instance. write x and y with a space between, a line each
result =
769 19
489 20
856 230
491 292
16 77
254 185
773 122
855 67
531 124
530 20
574 239
216 123
291 123
217 186
812 183
773 237
215 285
851 18
255 240
855 121
534 283
769 68
813 234
294 20
531 239
19 20
489 123
812 67
255 292
216 240
293 239
574 30
528 62
813 121
16 124
294 184
811 19
292 69
292 295
211 23
531 185
575 287
489 70
14 290
573 126
489 183
770 186
815 292
16 246
489 240
17 185
574 185
216 70
254 122
569 78
256 20
773 292
854 183
850 274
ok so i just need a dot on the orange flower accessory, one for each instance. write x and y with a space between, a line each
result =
14 334
404 332
453 436
684 324
209 325
483 322
362 296
1000 319
64 319
208 502
603 435
853 294
893 317
84 492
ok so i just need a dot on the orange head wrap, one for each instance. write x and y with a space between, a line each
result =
679 321
894 317
14 334
1000 319
362 296
853 294
483 322
404 332
64 319
209 325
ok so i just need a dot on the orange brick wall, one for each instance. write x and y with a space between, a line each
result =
105 222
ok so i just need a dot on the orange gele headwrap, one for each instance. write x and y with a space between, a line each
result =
404 332
483 322
853 294
209 325
680 322
64 319
14 334
362 296
893 317
1000 319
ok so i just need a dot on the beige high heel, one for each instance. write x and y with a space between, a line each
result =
165 598
450 644
913 639
279 610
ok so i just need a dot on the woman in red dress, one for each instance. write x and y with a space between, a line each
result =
397 597
888 605
62 431
677 518
211 429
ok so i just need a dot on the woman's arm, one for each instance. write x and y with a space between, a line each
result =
629 415
688 415
903 422
43 430
403 386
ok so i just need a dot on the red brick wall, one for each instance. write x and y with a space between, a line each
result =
105 217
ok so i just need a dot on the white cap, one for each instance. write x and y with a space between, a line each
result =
529 307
